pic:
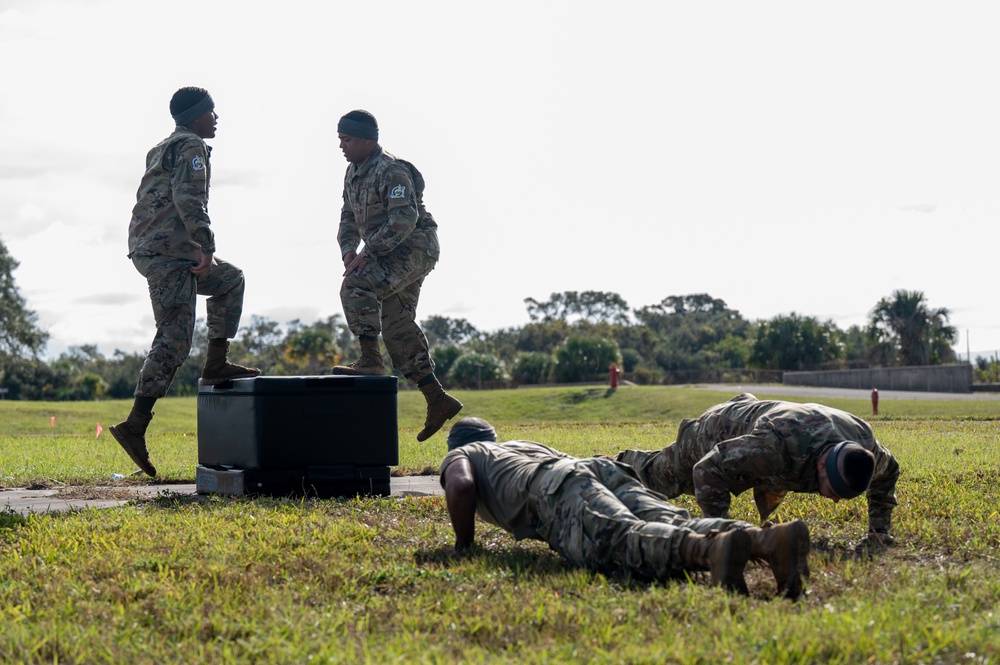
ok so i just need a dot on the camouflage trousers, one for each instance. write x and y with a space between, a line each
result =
663 471
173 291
676 470
383 300
599 515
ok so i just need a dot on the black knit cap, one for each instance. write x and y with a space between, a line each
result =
849 468
358 123
190 103
470 430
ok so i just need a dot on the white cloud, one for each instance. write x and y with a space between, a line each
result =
755 153
29 212
14 24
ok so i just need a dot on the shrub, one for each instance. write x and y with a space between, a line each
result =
444 359
630 359
474 369
585 359
532 368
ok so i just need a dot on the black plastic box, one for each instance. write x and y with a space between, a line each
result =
321 482
299 422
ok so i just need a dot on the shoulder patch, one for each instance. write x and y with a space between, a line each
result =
198 164
397 192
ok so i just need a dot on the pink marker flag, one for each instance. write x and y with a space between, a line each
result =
53 421
99 430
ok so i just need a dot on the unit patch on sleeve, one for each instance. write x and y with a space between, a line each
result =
397 192
198 164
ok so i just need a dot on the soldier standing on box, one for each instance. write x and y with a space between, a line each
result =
171 244
595 512
383 206
773 447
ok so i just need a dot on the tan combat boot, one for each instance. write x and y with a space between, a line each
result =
723 554
441 407
785 547
218 369
369 364
131 435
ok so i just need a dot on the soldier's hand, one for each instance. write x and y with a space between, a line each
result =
874 542
349 257
881 536
355 265
204 264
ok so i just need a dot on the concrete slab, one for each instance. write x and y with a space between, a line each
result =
26 501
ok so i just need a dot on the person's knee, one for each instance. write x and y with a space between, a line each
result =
235 281
171 350
352 286
173 357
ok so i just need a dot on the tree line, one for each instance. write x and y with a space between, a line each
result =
571 337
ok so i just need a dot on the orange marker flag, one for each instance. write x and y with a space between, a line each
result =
53 421
99 430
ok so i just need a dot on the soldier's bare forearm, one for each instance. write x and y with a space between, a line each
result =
460 497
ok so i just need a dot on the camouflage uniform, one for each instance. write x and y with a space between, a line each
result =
769 446
169 230
592 511
383 206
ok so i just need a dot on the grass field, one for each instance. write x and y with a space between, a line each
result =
192 580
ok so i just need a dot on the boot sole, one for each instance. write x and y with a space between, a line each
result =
146 467
216 381
350 371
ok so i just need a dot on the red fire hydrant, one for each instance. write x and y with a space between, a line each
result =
613 368
874 401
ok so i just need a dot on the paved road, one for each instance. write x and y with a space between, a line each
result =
847 393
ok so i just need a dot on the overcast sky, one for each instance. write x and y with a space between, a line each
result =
782 156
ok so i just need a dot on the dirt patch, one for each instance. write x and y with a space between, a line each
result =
98 493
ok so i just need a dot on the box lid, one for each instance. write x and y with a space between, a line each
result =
274 385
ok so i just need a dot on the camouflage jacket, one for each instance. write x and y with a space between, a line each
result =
504 473
769 446
384 207
170 216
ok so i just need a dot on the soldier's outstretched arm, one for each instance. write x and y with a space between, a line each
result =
732 467
711 487
460 496
882 492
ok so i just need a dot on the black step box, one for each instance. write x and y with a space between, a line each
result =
299 422
321 482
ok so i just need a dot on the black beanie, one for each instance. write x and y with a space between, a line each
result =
470 430
360 124
849 468
189 104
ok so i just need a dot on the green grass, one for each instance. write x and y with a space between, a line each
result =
192 580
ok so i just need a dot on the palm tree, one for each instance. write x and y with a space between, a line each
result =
903 330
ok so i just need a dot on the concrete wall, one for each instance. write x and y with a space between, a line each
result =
934 378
